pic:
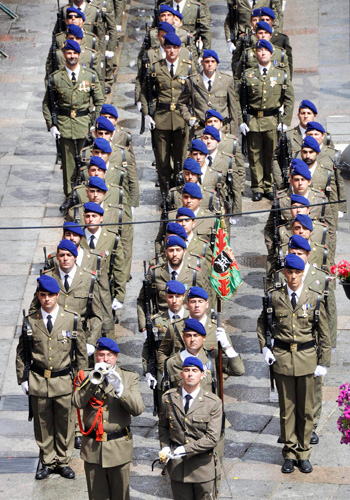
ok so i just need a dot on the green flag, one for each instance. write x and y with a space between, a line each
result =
225 277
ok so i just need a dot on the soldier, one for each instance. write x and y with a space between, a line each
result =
121 135
171 228
245 40
76 17
263 106
77 85
170 130
210 89
107 444
50 375
301 352
279 39
190 428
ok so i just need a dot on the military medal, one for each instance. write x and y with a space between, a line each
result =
64 335
84 86
273 81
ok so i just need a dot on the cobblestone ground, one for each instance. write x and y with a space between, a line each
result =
30 194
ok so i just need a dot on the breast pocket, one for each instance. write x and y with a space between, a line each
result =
200 421
80 301
63 341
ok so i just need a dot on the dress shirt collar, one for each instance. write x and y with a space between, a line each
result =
189 238
297 292
180 4
174 63
76 71
53 314
193 395
312 169
71 274
80 256
261 68
178 271
180 313
302 131
88 235
206 79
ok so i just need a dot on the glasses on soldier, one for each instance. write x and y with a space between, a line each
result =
72 16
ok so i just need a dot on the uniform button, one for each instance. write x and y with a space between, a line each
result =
187 441
50 348
293 326
50 359
185 419
49 338
293 314
50 367
104 421
264 99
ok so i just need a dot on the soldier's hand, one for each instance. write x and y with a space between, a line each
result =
149 122
199 43
139 106
119 28
244 128
116 305
231 46
109 54
268 356
281 127
164 454
151 381
192 122
25 387
101 367
179 452
320 371
55 132
90 349
115 380
221 336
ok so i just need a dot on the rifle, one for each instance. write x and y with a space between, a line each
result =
59 17
156 12
53 109
77 160
232 12
284 158
166 204
27 352
244 91
269 330
151 341
220 374
54 53
275 221
46 260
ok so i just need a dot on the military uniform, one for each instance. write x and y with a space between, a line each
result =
294 369
90 40
170 133
73 102
107 462
265 95
198 431
229 144
89 58
50 383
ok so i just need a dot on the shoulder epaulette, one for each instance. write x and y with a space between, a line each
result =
210 395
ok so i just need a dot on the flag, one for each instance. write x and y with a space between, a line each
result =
225 277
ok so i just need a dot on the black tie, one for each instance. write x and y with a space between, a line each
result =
210 161
49 323
254 2
209 85
92 243
187 404
74 80
172 70
264 72
178 7
66 284
173 275
176 316
294 300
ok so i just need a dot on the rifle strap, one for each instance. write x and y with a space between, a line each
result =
124 162
93 43
128 139
93 57
210 204
316 322
113 254
74 337
198 20
28 346
211 367
90 298
166 381
200 93
92 86
120 218
194 277
284 87
323 210
324 260
328 183
324 235
229 177
178 336
234 150
104 9
154 289
76 214
269 316
98 268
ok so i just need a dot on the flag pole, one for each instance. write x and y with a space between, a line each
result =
221 380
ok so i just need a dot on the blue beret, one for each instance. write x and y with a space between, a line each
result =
90 206
193 361
192 189
174 241
109 109
102 144
198 145
315 126
48 284
212 112
305 220
263 25
264 44
178 14
69 246
268 12
192 165
107 343
308 104
167 27
98 161
211 53
297 241
166 8
297 198
310 142
176 228
73 227
209 129
75 30
71 45
299 167
293 261
175 286
193 325
77 11
98 183
102 123
185 211
256 13
172 39
197 291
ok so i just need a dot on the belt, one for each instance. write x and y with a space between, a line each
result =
294 347
261 113
72 113
170 107
49 373
109 436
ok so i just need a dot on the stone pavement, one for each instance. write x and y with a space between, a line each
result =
30 195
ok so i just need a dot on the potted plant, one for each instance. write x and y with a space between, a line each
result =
342 271
344 420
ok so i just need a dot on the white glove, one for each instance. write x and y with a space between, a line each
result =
268 356
192 122
151 381
231 46
149 122
320 371
25 387
165 453
179 452
244 128
109 54
340 214
281 127
90 349
115 380
199 43
55 132
119 27
139 105
116 305
233 221
132 211
221 336
92 129
101 367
